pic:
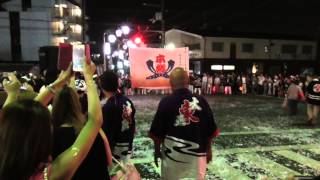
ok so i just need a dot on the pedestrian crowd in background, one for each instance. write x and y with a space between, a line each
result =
236 84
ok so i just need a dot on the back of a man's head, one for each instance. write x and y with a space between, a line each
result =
179 78
109 81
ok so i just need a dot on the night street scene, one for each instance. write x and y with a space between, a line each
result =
159 90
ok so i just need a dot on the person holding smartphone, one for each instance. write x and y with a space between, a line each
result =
26 133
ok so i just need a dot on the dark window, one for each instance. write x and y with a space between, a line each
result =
289 49
194 46
247 47
307 49
217 47
26 4
15 36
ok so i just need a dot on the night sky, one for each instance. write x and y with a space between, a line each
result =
281 18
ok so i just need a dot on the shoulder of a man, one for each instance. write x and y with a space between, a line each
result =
165 101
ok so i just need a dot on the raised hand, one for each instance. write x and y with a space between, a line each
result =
64 77
12 85
89 69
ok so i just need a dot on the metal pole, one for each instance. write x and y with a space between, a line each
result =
163 29
103 53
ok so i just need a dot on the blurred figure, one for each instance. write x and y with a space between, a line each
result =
210 82
228 88
270 85
239 85
313 98
281 86
216 84
222 83
261 80
265 86
275 88
244 84
128 85
197 86
204 83
294 95
191 82
182 131
254 86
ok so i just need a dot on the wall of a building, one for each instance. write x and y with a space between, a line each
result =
182 39
259 49
37 5
174 37
35 32
266 53
185 39
5 41
42 5
13 5
37 25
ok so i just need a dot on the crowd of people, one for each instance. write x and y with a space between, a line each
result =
79 127
228 84
235 84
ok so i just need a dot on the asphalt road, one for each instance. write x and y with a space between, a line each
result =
258 140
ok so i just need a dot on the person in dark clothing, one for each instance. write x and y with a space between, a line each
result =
182 131
68 121
118 117
313 98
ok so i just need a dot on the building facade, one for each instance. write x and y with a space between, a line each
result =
27 25
268 55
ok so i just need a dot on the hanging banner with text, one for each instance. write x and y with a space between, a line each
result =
150 67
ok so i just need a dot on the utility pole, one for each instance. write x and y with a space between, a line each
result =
159 18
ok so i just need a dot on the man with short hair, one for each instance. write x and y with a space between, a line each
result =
182 131
313 98
118 116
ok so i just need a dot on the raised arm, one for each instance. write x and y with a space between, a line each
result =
44 97
12 88
65 165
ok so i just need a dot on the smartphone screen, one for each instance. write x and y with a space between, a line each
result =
78 57
65 56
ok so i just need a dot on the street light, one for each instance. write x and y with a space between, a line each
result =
130 44
137 40
118 32
115 54
107 48
121 54
112 38
125 29
119 65
170 46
